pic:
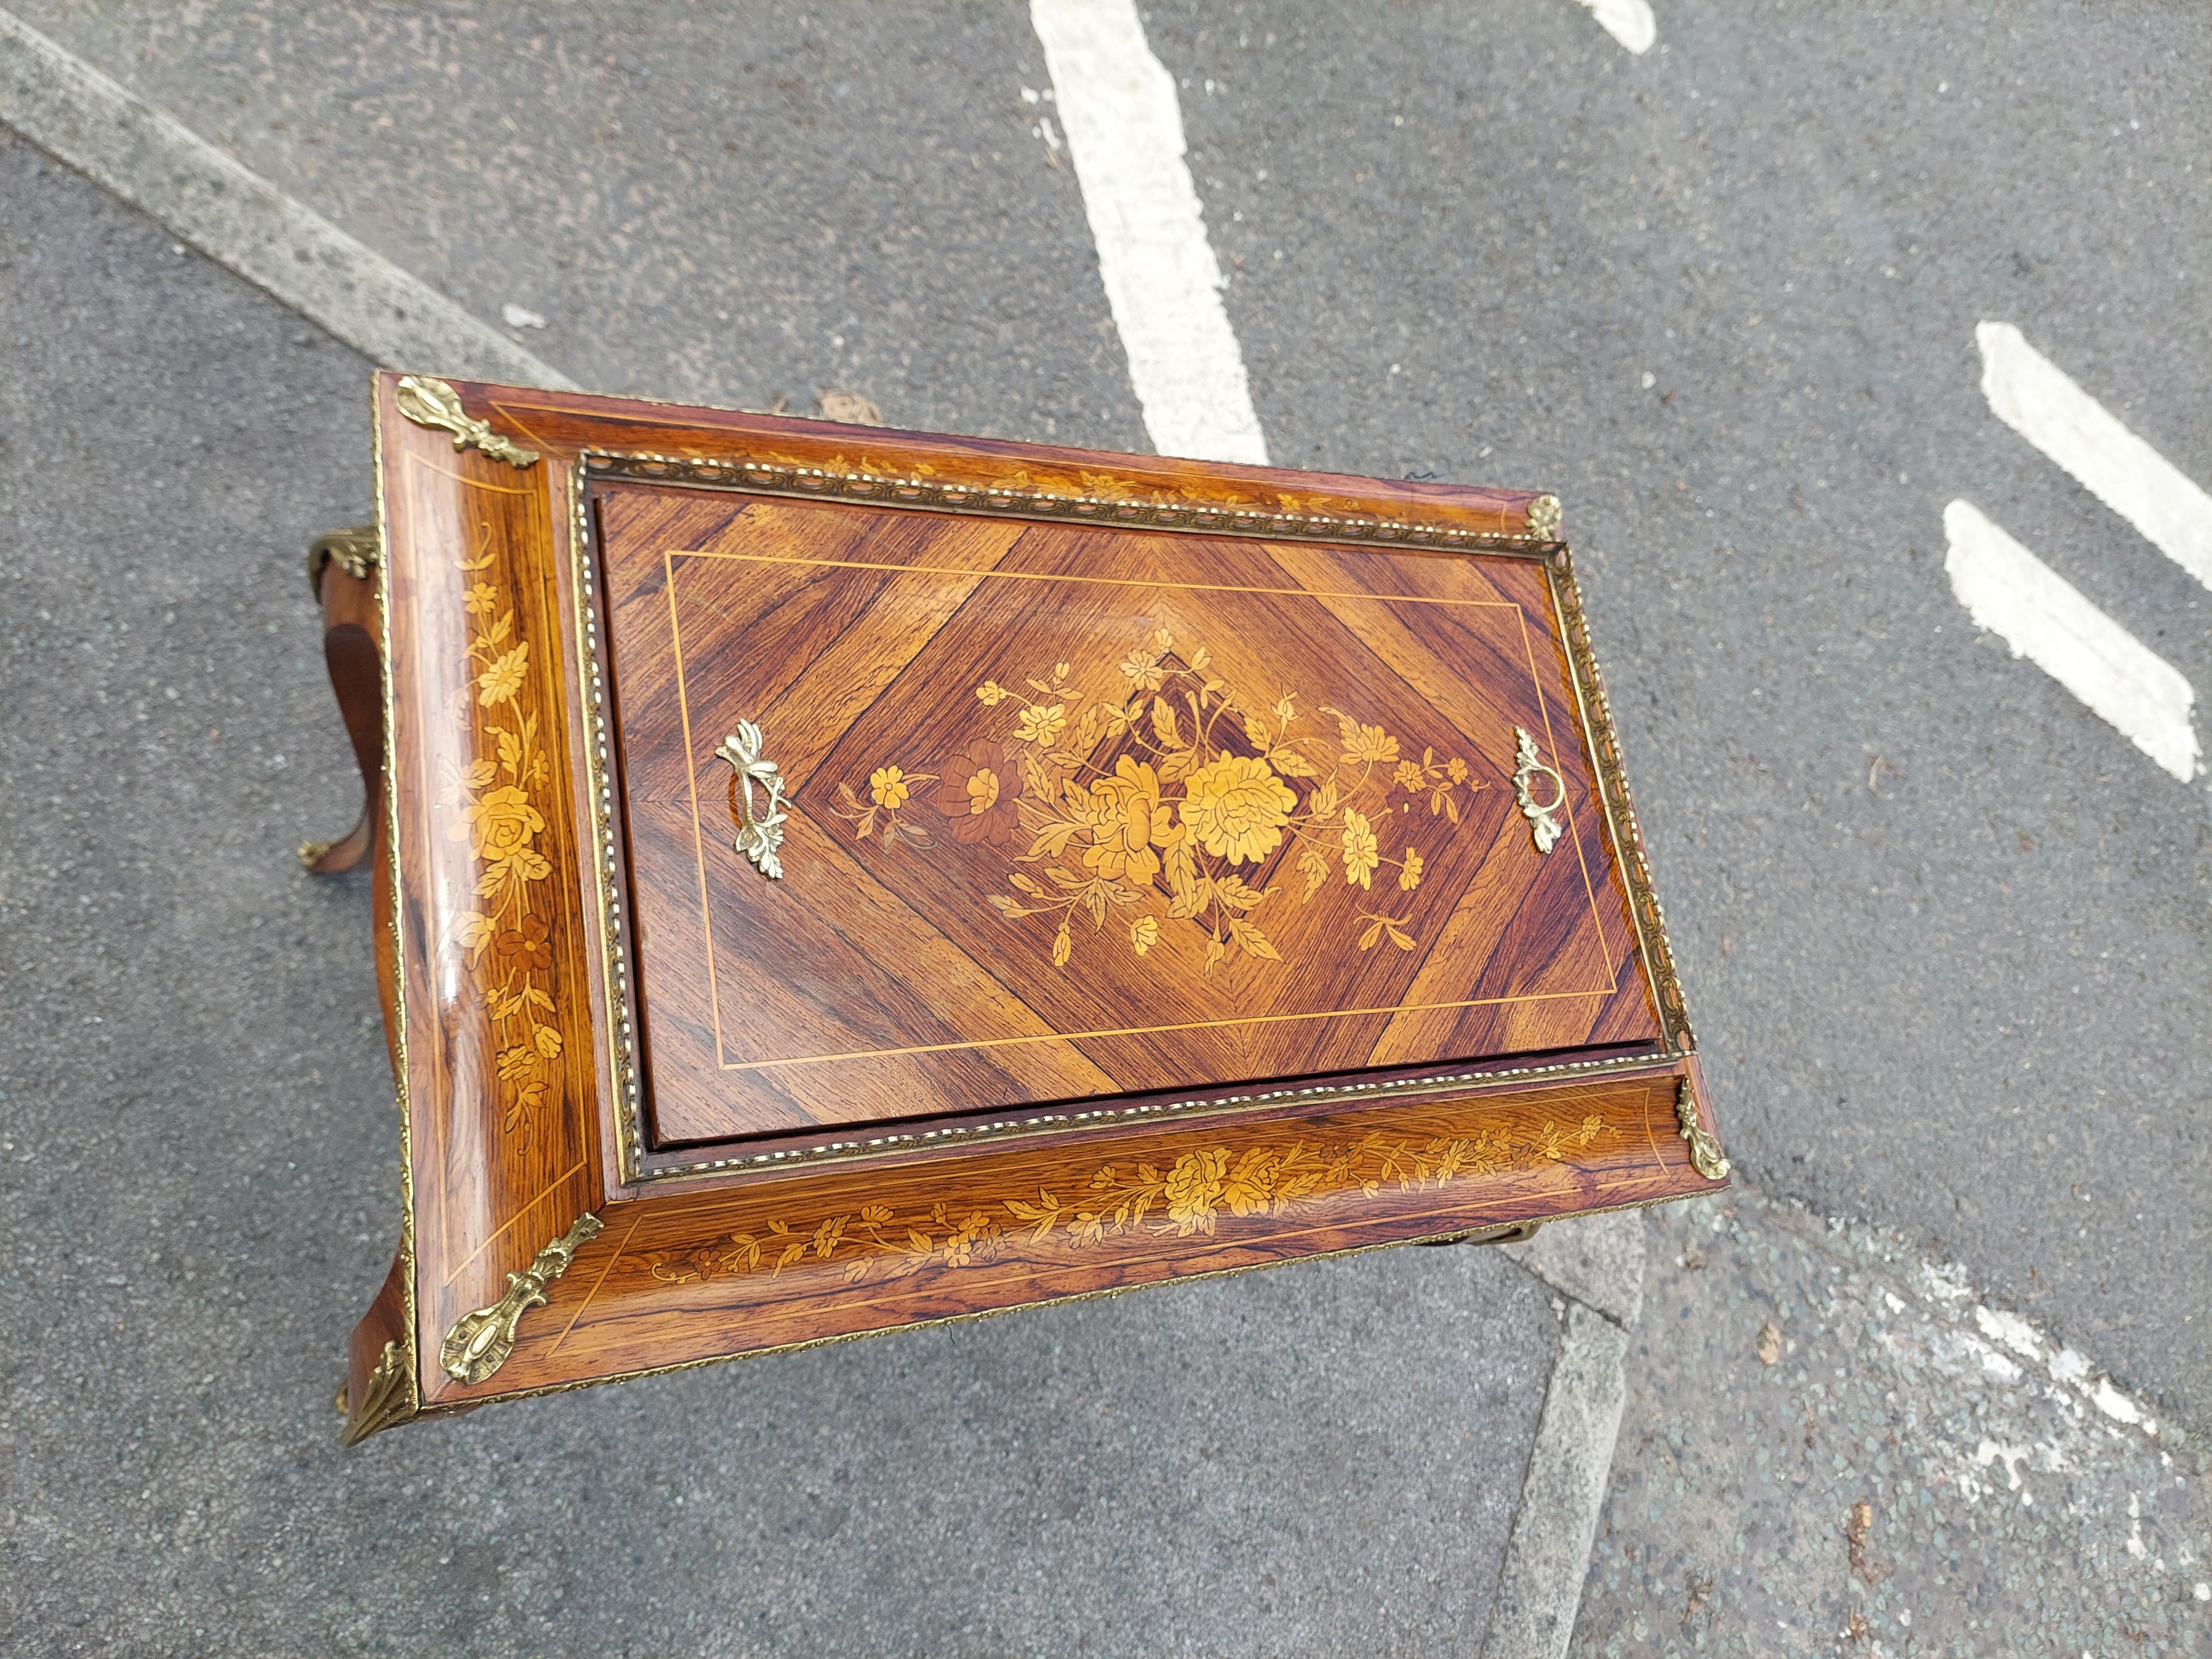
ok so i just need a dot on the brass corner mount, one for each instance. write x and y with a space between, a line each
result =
1544 517
430 402
356 552
386 1399
479 1342
1706 1154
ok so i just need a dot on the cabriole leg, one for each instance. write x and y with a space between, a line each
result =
341 569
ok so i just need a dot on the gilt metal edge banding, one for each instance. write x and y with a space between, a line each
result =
481 1342
387 1397
430 402
1317 1096
1651 922
409 1353
622 1041
817 483
1705 1153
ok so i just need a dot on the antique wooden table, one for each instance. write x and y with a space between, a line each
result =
830 879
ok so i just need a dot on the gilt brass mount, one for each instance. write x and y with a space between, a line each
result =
1705 1149
386 1399
355 551
1541 824
760 834
428 402
479 1342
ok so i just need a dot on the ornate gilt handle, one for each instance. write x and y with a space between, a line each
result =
1541 824
428 402
479 1342
760 832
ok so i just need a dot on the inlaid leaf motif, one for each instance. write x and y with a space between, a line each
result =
1314 864
1164 724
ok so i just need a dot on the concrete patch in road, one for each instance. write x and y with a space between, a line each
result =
1829 1439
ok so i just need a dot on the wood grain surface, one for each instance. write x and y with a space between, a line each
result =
1016 755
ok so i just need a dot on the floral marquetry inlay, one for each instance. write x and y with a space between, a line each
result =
1161 803
505 933
1206 1191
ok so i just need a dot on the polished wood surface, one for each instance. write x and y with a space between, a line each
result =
1520 1057
1079 811
789 1262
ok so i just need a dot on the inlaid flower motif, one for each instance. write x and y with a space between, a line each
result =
1194 1190
1135 802
498 823
977 793
526 944
960 1250
481 599
1142 667
1125 820
1360 854
1238 807
1265 1180
499 683
1041 722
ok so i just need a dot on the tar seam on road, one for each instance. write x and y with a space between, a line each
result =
2038 399
238 219
1539 1587
1596 1261
1162 283
2046 618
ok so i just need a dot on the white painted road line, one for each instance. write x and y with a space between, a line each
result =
2036 398
2045 618
1117 102
238 219
1629 21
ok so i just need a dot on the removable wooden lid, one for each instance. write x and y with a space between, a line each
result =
1077 812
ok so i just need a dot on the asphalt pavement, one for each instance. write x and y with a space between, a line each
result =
1944 932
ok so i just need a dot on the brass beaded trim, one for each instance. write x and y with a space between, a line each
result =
782 478
622 1037
1620 808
